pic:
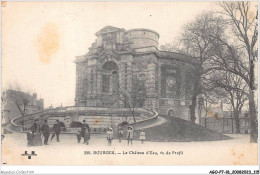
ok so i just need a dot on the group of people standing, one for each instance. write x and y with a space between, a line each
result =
34 137
129 135
84 132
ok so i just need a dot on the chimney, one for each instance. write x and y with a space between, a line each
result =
35 96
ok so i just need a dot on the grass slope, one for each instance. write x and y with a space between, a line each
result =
179 130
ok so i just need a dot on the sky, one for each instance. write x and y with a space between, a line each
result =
41 39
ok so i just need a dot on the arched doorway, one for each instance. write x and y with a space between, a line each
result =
110 78
171 113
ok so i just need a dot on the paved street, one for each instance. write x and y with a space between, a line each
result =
68 152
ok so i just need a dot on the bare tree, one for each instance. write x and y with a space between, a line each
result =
135 97
237 54
206 106
235 97
19 98
170 47
241 59
194 42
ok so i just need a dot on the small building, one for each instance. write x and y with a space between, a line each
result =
227 123
10 109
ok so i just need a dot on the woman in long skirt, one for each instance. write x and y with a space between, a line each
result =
86 136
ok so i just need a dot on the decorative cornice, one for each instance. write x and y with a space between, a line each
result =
109 29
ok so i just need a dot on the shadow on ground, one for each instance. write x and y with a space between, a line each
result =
179 130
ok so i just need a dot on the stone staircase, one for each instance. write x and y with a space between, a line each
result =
98 119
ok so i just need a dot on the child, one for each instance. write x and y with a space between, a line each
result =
86 136
130 135
109 136
29 139
120 133
79 135
142 136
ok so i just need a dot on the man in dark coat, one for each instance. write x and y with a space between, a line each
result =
34 127
35 137
84 126
45 129
56 130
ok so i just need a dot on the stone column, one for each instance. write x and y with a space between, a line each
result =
77 89
94 90
159 81
85 83
99 85
121 75
80 83
183 76
88 77
129 76
150 86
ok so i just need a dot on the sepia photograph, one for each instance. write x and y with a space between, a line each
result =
129 83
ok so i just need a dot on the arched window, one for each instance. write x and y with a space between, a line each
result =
110 78
115 81
105 83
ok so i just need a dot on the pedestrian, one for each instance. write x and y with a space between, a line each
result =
56 130
45 129
85 127
120 133
79 136
35 137
109 136
34 126
29 138
142 136
86 136
130 135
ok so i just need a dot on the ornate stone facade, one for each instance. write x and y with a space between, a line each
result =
117 56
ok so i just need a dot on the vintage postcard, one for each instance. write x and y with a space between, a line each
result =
129 83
